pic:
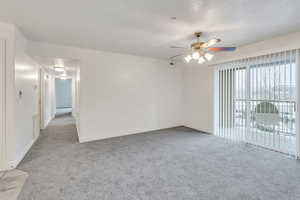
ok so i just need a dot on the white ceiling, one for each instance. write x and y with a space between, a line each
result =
145 27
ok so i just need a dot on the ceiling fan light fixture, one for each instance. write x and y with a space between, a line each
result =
200 50
196 55
213 42
188 58
209 56
201 60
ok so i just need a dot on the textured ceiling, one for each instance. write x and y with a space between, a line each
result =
145 27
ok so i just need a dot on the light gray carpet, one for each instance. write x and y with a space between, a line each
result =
160 165
11 183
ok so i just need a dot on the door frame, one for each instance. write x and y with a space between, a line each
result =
41 97
297 104
3 145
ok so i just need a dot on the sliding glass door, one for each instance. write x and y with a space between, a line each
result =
256 101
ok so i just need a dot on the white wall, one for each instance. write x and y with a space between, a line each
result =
73 96
48 106
76 100
75 93
21 119
199 79
27 98
7 132
122 94
198 97
3 162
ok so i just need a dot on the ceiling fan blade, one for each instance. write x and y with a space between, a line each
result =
177 47
215 49
175 56
211 42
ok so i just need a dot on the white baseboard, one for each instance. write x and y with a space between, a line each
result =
90 139
199 130
13 164
48 122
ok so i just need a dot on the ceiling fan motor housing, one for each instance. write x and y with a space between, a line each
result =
197 45
198 34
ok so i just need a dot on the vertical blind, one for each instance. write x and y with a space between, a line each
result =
256 101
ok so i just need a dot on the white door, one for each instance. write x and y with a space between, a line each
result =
2 107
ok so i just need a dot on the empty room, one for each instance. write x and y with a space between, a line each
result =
150 100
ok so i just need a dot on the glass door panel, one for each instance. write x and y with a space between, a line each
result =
257 101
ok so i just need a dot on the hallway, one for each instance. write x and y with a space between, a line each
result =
45 162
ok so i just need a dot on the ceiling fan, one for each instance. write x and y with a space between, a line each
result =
200 51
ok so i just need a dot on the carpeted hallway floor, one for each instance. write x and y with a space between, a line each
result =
169 164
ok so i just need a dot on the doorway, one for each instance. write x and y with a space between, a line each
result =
60 88
63 90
